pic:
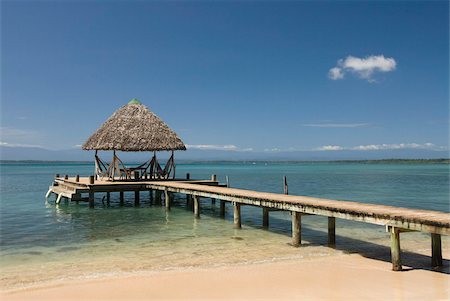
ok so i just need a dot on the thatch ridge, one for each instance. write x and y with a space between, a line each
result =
134 128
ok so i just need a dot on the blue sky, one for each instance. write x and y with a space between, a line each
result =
240 75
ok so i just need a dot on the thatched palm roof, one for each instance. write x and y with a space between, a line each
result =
134 128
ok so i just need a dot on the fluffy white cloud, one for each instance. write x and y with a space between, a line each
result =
336 73
6 144
330 148
362 67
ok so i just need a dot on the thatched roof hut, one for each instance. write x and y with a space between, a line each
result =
134 128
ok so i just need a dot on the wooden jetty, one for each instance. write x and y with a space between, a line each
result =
395 219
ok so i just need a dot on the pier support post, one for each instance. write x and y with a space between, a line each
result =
136 198
395 249
222 208
296 229
331 231
196 207
91 199
237 215
58 199
108 197
265 217
158 197
150 193
167 199
121 197
436 250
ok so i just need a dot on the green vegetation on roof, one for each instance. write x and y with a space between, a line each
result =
134 101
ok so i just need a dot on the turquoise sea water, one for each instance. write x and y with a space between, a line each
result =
41 241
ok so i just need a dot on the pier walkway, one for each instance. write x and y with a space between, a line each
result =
395 219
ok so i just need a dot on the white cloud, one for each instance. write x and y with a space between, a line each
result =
375 147
337 125
336 73
428 145
227 147
330 148
6 144
362 67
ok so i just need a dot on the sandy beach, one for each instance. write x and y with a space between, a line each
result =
346 277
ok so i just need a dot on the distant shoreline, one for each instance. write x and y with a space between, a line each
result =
378 161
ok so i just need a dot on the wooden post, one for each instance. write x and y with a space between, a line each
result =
237 215
77 178
108 197
58 199
136 175
91 179
136 198
265 218
66 177
196 207
395 249
57 175
296 229
227 181
150 192
158 197
331 231
121 197
222 208
436 250
91 199
167 199
285 185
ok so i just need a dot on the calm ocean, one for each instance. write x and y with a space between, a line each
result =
43 242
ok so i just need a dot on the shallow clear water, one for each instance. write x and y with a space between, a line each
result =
44 242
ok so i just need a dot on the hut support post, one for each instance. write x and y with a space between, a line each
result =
136 198
265 218
436 250
150 193
196 207
121 193
296 229
167 199
222 208
331 231
91 199
395 249
108 197
237 215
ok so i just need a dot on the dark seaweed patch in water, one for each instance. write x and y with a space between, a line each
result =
118 240
237 238
33 253
67 249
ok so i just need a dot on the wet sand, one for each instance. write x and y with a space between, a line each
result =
345 277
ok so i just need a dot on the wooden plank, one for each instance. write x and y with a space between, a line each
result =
437 222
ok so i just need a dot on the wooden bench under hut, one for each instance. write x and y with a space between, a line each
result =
134 128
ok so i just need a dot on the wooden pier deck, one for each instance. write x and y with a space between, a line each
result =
395 219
